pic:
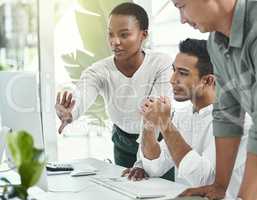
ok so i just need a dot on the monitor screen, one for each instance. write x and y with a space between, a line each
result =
20 105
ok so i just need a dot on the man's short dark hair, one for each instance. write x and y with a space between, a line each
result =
198 48
132 9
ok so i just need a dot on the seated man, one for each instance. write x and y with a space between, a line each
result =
188 143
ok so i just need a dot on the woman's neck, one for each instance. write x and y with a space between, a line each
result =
129 66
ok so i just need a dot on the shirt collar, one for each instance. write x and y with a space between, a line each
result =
204 110
237 29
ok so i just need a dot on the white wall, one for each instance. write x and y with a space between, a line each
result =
166 31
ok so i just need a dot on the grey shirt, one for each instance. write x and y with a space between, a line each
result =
235 66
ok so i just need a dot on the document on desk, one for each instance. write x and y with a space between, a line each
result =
152 188
69 182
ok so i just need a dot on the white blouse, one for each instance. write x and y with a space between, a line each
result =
123 95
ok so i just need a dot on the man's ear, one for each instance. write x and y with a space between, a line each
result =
208 80
145 33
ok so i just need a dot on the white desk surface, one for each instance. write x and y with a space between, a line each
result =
65 187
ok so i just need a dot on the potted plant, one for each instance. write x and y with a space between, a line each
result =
29 162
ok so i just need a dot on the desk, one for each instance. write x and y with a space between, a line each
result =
83 188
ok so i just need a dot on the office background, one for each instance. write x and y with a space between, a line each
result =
57 36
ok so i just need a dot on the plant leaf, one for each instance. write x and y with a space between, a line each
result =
20 145
29 161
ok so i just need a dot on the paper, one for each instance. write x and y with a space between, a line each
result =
86 168
151 188
58 183
66 183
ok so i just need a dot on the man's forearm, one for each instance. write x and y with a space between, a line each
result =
149 145
177 146
249 184
226 152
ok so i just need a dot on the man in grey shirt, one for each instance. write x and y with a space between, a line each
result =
232 46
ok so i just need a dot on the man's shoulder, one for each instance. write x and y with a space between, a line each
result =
250 14
251 22
251 4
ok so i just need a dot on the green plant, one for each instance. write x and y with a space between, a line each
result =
4 67
29 162
92 29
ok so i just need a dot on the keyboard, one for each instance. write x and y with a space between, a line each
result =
56 167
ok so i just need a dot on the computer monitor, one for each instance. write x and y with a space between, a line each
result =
20 106
19 103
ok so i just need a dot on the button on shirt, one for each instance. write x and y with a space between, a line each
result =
235 67
198 166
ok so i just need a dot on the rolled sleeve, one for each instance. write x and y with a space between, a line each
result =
196 169
159 166
228 117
